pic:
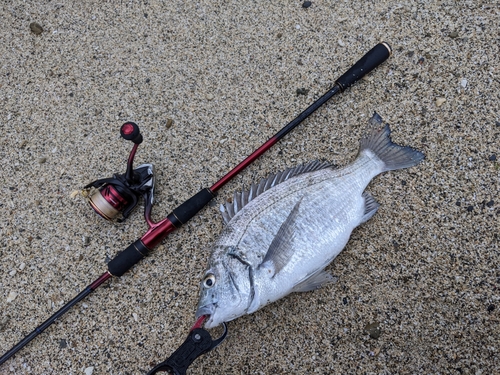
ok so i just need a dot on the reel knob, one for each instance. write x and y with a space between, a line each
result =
130 131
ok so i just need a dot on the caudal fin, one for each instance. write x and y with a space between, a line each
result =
378 141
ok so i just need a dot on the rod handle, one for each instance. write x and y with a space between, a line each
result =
191 207
124 261
373 58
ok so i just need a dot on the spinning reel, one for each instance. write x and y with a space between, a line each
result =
121 193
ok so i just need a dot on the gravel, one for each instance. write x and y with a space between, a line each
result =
193 73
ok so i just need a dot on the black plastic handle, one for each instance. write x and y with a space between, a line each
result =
197 343
130 131
373 58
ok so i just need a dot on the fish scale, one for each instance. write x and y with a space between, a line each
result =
282 233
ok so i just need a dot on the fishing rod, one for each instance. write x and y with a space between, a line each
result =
120 194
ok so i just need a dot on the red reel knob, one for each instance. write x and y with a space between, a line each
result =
130 131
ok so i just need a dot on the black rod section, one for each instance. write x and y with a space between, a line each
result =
373 58
307 112
45 324
84 293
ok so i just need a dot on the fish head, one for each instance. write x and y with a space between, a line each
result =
224 292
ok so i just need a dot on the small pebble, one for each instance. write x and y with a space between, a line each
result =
89 370
36 28
490 203
373 329
306 4
136 317
209 96
470 208
341 43
22 266
491 308
3 322
453 34
12 296
42 160
169 123
74 193
440 101
12 273
492 158
302 91
463 83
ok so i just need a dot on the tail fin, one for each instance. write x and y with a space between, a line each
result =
378 141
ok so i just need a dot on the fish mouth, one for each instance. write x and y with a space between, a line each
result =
206 310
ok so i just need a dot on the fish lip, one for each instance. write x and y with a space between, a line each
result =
206 310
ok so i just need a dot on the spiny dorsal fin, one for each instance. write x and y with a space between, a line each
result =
241 199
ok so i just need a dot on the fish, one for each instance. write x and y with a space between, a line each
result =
281 233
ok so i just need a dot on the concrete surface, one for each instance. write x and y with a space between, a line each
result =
423 276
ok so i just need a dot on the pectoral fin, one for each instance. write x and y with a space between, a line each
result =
314 282
281 250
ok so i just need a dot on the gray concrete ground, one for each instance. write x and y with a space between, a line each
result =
423 274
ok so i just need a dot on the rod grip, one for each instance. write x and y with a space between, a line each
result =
127 258
373 58
189 208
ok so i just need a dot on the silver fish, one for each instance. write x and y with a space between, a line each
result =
282 233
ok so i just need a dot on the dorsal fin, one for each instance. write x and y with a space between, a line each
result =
241 199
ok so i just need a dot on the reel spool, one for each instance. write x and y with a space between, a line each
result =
121 193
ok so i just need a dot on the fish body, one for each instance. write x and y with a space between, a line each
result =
281 234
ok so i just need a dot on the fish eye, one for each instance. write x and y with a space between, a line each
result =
209 281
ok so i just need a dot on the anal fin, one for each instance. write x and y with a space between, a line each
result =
371 206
